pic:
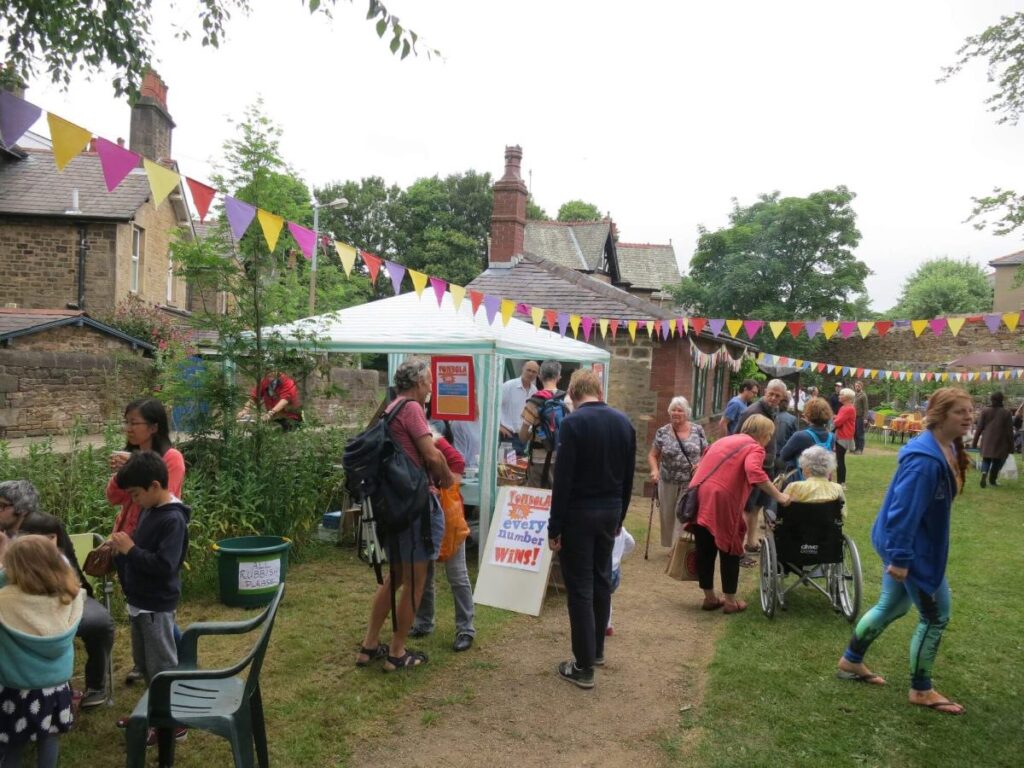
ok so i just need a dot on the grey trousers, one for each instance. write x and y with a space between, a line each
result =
153 648
458 579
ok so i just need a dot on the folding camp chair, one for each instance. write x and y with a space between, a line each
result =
103 589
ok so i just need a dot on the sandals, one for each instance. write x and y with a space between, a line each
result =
870 678
712 605
407 660
372 654
938 706
754 550
738 607
748 562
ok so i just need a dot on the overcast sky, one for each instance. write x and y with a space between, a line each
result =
660 113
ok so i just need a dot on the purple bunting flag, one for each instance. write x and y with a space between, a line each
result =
993 322
304 237
116 161
716 326
439 286
240 215
563 323
396 272
16 117
813 328
491 304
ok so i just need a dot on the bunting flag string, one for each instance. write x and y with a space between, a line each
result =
706 360
69 140
889 375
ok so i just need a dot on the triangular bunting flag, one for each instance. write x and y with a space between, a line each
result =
507 308
955 324
733 327
1011 319
202 196
439 287
305 237
16 117
161 181
847 328
588 324
651 326
347 255
829 328
883 326
537 315
938 325
821 367
116 161
681 325
993 322
272 225
795 326
614 324
813 328
672 327
632 329
776 327
458 294
603 325
396 272
918 326
563 323
419 282
239 215
697 323
752 327
716 325
491 304
372 263
475 299
68 140
865 327
574 323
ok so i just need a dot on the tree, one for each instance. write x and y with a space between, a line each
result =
534 212
578 210
782 258
61 36
944 287
369 219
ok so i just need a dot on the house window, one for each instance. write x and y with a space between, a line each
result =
170 280
136 259
700 386
718 393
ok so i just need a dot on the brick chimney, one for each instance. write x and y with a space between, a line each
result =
151 122
508 217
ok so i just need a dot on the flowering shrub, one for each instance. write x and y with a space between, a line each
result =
147 323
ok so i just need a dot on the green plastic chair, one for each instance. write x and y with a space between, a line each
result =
214 700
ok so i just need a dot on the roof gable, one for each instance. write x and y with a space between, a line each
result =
646 266
571 244
23 322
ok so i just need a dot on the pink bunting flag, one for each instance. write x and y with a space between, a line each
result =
116 162
396 272
439 286
240 215
305 237
938 325
202 196
812 328
847 328
752 327
563 323
993 322
491 304
588 323
16 117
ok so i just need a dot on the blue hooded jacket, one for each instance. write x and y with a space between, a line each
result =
30 661
912 527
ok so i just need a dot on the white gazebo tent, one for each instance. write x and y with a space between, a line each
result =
415 325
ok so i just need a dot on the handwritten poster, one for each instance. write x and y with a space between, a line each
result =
256 576
521 528
453 395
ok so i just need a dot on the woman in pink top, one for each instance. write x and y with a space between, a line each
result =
845 427
145 429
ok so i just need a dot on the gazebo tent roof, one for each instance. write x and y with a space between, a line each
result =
416 324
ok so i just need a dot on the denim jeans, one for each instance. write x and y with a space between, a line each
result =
458 580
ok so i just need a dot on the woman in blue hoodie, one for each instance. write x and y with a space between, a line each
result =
911 535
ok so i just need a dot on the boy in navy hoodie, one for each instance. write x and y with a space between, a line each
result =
148 562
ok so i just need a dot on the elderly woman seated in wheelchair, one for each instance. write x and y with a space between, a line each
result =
806 541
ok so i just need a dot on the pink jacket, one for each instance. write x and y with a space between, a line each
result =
128 518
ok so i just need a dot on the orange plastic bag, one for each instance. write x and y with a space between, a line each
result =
455 528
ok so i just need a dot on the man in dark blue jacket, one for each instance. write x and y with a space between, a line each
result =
593 483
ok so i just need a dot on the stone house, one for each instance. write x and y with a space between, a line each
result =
580 268
1007 297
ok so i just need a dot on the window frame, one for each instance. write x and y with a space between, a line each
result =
135 270
718 392
700 388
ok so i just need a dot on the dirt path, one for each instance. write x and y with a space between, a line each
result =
504 705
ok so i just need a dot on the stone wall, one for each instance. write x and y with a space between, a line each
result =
900 350
343 397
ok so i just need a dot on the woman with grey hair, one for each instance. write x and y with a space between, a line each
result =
674 456
817 465
18 498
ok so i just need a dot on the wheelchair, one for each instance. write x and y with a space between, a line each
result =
807 542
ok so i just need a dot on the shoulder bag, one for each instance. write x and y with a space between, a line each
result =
686 507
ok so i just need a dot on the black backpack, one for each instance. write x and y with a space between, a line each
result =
377 469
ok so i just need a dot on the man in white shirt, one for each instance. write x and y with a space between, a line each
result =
514 394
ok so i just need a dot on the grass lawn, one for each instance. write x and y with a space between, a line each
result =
772 697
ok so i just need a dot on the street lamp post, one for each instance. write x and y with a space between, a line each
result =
340 202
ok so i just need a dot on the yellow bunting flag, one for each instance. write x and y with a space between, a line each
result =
603 325
955 324
458 294
798 363
1011 319
631 326
943 377
829 328
650 328
865 327
777 326
272 225
68 139
537 314
734 327
161 181
574 323
672 328
918 326
347 254
507 308
419 281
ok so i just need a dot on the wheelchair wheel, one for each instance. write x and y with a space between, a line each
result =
846 581
769 576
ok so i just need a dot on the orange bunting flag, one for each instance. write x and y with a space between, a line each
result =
507 308
475 298
918 326
551 317
272 225
865 327
631 325
732 325
795 326
458 294
829 328
68 140
777 327
603 325
162 181
419 281
955 324
202 196
372 263
574 323
347 255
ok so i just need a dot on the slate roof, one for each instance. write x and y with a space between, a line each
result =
22 322
572 244
1010 260
34 186
647 267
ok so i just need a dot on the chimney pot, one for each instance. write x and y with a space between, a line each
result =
151 123
508 215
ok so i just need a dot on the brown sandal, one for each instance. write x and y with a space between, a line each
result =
738 607
372 654
712 605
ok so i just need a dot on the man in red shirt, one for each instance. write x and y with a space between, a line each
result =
281 403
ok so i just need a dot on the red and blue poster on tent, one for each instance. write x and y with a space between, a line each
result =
453 396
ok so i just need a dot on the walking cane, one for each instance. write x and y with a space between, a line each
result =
650 522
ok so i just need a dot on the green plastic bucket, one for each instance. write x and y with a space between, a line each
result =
250 568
